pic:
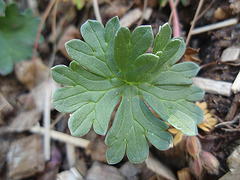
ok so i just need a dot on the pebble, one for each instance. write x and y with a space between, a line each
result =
100 171
25 157
130 171
233 161
230 54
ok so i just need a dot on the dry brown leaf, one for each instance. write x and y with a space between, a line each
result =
116 8
31 73
70 33
208 122
191 55
184 174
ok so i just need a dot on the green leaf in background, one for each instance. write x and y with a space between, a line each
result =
2 7
17 36
111 67
163 3
79 3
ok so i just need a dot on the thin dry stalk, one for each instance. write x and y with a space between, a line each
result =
205 10
96 11
59 136
57 120
210 27
143 12
46 119
44 17
70 152
54 17
194 21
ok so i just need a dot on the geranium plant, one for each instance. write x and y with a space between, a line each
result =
111 66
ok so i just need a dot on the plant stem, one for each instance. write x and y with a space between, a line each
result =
176 26
96 10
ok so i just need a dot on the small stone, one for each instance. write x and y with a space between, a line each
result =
220 14
24 121
25 157
233 161
71 174
102 172
229 176
161 169
230 54
130 171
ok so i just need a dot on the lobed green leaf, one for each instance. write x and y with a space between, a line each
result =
128 52
111 66
162 39
17 36
133 123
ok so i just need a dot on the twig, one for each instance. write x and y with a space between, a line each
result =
44 17
54 17
54 41
194 21
208 64
59 136
176 26
96 11
200 136
57 120
143 12
210 27
227 123
231 130
205 10
220 120
234 108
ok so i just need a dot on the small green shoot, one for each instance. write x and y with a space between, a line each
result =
111 66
